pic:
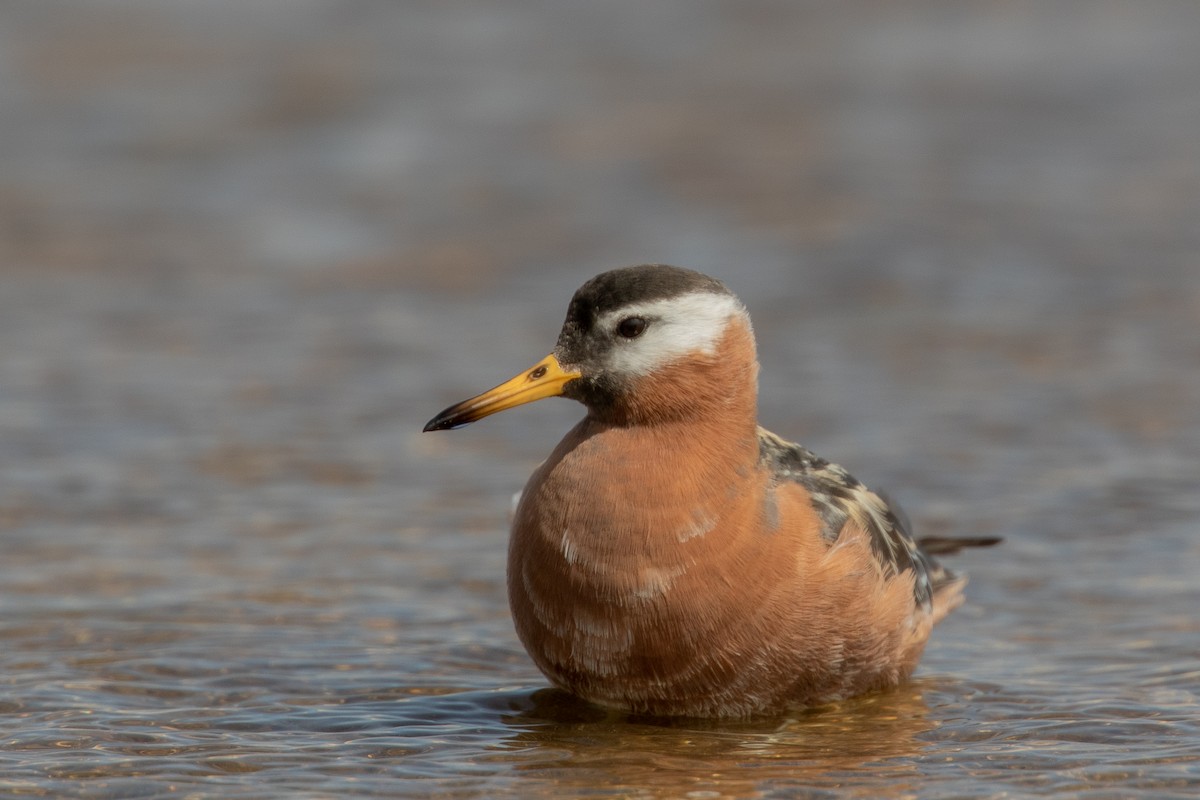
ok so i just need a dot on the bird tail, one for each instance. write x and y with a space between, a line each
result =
951 545
947 584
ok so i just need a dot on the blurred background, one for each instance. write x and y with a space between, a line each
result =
247 249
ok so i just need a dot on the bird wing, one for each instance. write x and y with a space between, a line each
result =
838 497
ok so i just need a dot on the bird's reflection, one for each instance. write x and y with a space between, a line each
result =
583 746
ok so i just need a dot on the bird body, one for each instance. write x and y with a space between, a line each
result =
673 558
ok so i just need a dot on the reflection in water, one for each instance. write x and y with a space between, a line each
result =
581 747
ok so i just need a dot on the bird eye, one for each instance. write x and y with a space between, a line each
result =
631 327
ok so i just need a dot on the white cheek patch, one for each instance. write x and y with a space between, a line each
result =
690 323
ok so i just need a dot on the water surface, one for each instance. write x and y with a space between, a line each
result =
248 254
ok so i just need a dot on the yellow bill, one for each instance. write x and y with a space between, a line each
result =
545 379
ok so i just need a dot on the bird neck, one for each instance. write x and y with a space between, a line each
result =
670 471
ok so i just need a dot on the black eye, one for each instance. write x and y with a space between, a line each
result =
631 327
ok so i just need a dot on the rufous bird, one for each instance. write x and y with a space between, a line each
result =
673 558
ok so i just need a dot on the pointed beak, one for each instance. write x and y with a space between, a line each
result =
544 379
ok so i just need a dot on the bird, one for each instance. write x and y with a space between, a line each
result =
673 558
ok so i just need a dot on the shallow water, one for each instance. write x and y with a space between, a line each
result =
248 254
